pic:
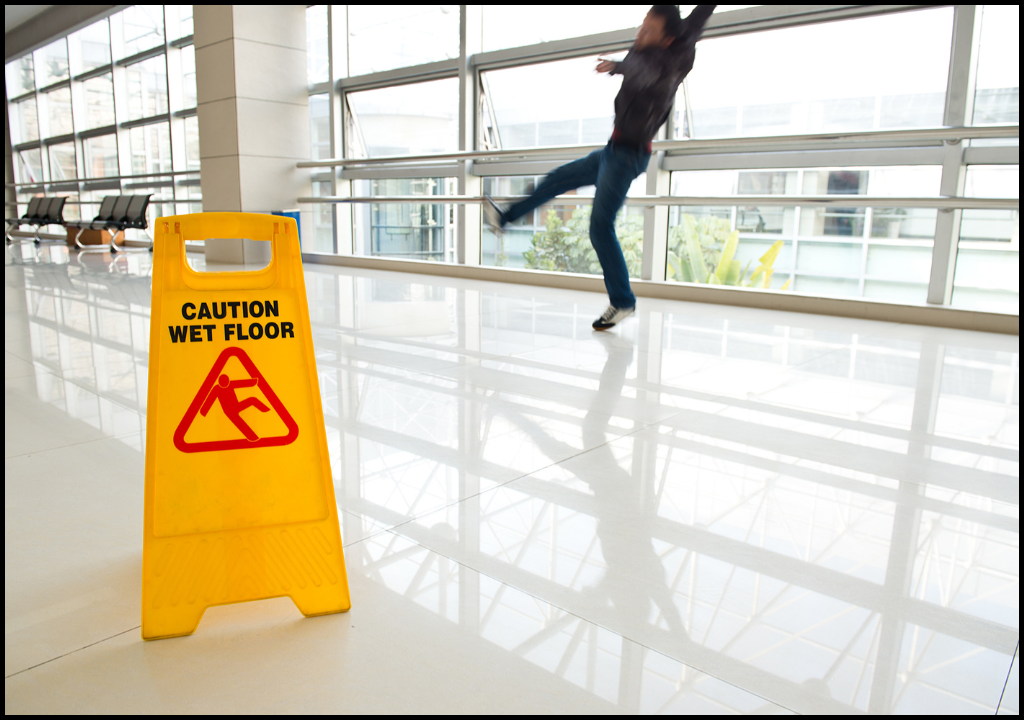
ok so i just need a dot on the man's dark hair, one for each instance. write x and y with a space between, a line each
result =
675 26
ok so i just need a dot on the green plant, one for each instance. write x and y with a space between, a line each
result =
565 247
702 251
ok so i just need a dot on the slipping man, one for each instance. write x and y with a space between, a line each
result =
661 56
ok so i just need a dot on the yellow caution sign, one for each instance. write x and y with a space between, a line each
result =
239 498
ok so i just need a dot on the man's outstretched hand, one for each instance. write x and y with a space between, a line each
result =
605 66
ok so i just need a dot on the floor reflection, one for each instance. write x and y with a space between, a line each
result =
798 522
631 677
821 512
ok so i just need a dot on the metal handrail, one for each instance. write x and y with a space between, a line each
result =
938 203
142 176
953 134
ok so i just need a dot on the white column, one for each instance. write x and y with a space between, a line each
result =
253 108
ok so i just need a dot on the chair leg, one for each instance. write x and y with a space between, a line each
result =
50 241
93 248
113 242
123 250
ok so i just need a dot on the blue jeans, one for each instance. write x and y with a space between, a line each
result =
612 169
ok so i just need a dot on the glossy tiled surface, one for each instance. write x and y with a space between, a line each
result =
709 509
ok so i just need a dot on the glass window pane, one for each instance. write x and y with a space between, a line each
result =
90 47
420 231
987 275
192 142
150 148
90 203
317 59
997 94
72 209
147 88
58 111
405 35
24 121
323 222
577 106
20 78
51 63
556 237
188 72
62 162
100 156
506 26
320 126
191 192
143 28
407 119
801 83
882 253
29 167
179 21
99 101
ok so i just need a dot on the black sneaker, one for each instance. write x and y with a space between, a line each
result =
612 317
493 216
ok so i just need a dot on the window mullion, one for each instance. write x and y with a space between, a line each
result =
959 105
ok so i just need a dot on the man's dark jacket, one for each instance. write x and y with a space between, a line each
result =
650 78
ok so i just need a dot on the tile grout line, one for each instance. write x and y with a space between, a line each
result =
1006 681
72 445
71 652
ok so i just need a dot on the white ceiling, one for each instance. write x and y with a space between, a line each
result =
15 15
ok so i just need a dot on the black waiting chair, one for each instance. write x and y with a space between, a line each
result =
54 215
99 222
113 223
31 214
38 216
36 210
135 217
117 216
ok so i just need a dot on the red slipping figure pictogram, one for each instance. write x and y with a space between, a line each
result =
219 387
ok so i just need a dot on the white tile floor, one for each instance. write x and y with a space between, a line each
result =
709 509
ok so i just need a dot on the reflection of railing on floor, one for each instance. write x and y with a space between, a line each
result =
869 479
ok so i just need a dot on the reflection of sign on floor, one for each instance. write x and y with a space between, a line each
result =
218 399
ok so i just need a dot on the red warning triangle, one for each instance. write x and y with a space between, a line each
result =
220 390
